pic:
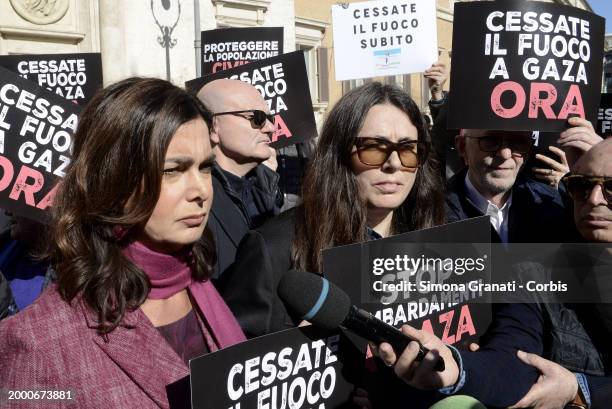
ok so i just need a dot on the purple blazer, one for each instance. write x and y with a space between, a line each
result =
52 345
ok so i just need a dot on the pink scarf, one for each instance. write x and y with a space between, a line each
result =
170 274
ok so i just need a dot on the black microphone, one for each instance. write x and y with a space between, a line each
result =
314 299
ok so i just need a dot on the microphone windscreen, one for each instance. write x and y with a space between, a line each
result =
458 402
314 299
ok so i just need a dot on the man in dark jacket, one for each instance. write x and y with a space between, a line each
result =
558 332
521 210
245 183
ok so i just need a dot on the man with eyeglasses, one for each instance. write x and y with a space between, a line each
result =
521 209
245 183
575 335
590 185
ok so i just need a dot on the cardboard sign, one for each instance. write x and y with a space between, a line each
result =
384 37
36 128
297 368
76 77
356 270
283 83
524 65
226 48
604 117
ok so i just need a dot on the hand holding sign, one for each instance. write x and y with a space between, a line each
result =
436 76
578 139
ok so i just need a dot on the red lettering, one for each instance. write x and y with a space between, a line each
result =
465 323
224 65
571 107
48 199
427 327
8 171
572 104
28 190
217 66
447 320
545 104
281 129
497 93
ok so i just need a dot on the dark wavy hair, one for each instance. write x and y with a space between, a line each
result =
331 212
111 187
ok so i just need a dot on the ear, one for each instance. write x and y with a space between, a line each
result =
214 131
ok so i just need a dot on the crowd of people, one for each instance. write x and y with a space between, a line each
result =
177 252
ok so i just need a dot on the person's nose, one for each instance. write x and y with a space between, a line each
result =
268 127
596 196
199 187
392 163
504 151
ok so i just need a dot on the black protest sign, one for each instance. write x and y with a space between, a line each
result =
299 367
367 271
524 65
604 117
283 83
76 77
225 48
36 128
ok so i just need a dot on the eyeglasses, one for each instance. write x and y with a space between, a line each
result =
376 151
581 186
492 143
258 117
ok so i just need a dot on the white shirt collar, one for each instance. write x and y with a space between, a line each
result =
498 216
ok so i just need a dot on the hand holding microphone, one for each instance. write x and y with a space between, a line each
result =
419 358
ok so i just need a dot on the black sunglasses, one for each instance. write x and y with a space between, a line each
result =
258 117
493 143
581 186
376 151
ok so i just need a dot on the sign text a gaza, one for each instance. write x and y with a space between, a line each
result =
566 38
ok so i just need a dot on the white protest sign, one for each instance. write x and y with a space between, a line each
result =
384 37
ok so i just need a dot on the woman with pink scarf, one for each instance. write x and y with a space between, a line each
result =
132 303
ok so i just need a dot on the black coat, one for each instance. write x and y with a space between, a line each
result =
228 219
539 213
249 285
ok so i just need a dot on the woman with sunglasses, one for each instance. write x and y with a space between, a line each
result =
370 177
132 302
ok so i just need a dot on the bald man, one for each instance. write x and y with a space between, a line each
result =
590 184
244 179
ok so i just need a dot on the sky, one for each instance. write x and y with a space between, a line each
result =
604 9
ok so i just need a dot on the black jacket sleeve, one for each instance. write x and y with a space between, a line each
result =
494 375
600 388
249 286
